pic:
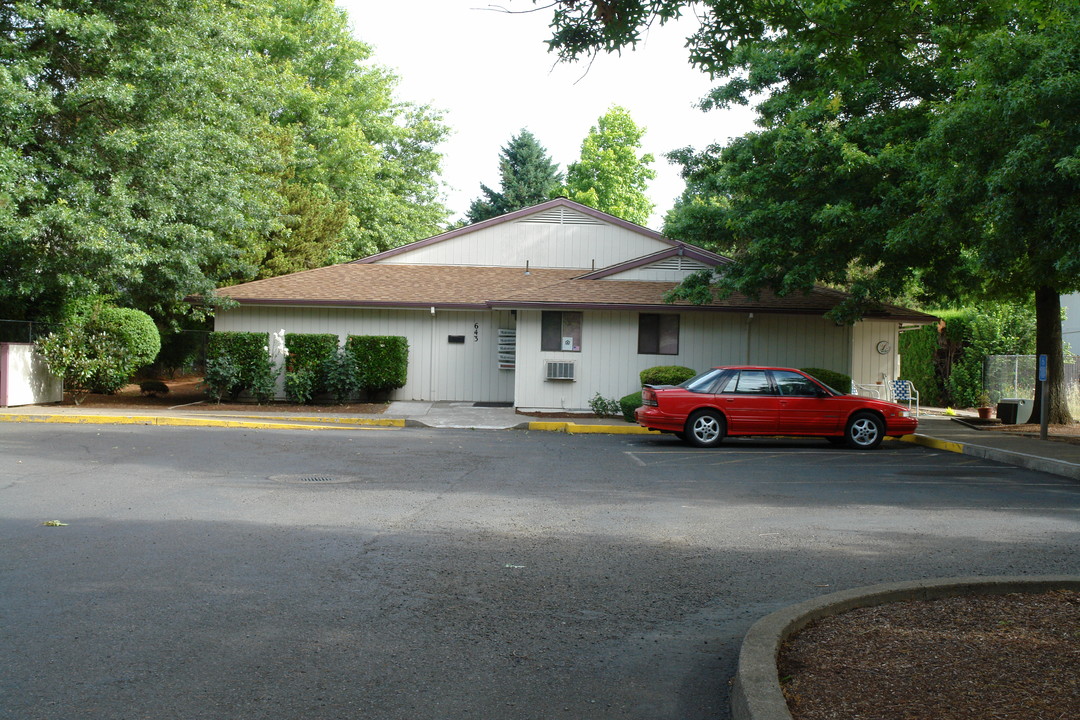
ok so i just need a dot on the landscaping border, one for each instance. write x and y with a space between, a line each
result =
756 693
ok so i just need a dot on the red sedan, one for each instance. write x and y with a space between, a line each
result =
730 401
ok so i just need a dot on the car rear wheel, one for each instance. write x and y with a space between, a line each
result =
705 428
865 431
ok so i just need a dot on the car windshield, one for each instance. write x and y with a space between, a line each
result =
703 382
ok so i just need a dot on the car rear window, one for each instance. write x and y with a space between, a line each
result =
704 382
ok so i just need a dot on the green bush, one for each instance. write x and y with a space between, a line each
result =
666 375
306 364
919 351
604 407
341 375
381 362
835 380
628 404
238 361
100 347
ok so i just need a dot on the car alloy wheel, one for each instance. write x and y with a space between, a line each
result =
865 431
705 428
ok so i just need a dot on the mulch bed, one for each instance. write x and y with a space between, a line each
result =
189 390
993 657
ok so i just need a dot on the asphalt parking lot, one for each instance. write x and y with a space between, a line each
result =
217 573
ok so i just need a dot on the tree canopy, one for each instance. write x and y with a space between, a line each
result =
528 175
154 149
610 175
923 149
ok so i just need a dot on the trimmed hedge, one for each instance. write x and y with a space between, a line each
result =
381 362
666 375
307 364
835 380
309 350
238 361
629 404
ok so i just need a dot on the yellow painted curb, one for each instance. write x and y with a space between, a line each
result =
573 428
333 420
930 442
160 421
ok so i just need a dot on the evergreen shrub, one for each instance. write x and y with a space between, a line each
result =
835 380
381 362
238 361
628 404
306 366
666 375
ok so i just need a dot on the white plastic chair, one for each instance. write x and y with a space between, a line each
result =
903 391
873 391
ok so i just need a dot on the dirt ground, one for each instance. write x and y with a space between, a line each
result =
1006 657
189 393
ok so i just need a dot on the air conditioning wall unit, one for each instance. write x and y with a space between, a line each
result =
558 370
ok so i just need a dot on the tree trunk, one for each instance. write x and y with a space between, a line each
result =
1048 342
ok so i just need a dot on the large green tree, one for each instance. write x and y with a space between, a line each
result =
528 177
926 149
347 141
610 175
157 149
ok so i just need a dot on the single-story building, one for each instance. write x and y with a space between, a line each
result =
545 307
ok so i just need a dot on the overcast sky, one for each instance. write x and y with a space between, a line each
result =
491 74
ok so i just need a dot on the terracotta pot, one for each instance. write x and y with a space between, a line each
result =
984 413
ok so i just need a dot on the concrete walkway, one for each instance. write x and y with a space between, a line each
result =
937 431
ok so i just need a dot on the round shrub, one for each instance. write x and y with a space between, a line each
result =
136 332
835 380
666 375
629 404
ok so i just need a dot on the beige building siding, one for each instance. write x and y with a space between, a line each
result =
543 245
438 369
868 366
609 363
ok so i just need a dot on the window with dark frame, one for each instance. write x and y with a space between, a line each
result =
658 334
556 326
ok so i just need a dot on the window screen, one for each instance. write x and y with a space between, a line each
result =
555 326
658 334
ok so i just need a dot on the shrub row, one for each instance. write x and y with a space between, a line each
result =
367 365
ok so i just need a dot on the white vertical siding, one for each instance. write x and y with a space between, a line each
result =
868 366
542 245
438 370
609 363
799 341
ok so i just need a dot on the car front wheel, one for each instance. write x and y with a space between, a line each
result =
865 431
705 428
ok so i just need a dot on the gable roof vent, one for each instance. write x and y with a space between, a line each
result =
561 216
558 370
678 262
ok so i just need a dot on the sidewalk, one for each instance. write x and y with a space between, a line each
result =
943 433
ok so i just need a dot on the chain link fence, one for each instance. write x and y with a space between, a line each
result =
1013 376
24 331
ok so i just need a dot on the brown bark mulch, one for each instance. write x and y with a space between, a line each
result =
188 391
994 657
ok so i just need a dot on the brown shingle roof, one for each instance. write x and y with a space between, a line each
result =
362 285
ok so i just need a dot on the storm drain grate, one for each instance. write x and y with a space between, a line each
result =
313 479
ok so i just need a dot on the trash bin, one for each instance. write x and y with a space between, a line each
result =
1012 411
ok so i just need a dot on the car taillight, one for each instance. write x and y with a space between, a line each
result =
648 397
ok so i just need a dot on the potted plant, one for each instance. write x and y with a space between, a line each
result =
982 401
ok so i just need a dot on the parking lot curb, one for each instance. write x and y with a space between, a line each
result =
1027 461
573 428
168 421
756 693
